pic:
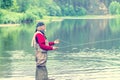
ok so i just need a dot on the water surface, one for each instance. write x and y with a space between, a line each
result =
89 50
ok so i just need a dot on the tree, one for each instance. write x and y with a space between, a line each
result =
73 7
23 5
15 6
6 4
114 7
80 11
54 11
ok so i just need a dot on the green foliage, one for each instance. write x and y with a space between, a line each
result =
114 7
38 12
72 7
29 10
32 14
68 10
27 18
15 6
1 15
118 10
9 17
54 10
6 4
13 17
81 11
23 5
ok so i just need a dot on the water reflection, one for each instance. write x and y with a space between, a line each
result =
15 51
80 34
4 64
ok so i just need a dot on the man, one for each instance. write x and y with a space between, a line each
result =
41 45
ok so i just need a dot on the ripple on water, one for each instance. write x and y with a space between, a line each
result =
95 64
87 65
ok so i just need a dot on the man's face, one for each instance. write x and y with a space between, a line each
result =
42 28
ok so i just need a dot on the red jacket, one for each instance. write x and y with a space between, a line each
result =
40 39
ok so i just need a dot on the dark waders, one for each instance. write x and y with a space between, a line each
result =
41 70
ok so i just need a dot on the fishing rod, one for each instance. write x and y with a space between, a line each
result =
71 44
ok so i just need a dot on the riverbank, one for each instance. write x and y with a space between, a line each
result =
9 25
56 18
48 19
82 17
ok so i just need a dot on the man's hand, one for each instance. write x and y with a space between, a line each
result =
57 41
54 48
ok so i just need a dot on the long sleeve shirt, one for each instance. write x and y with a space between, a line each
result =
41 40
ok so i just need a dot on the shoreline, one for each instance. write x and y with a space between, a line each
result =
57 18
9 25
87 17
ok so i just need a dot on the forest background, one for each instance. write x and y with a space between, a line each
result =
22 11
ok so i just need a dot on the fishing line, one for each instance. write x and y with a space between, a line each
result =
71 44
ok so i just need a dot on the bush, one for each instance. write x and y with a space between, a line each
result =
118 10
54 11
13 17
9 17
38 12
68 10
71 10
27 18
6 4
1 15
14 7
80 11
114 7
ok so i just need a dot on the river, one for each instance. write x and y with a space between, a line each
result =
89 49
